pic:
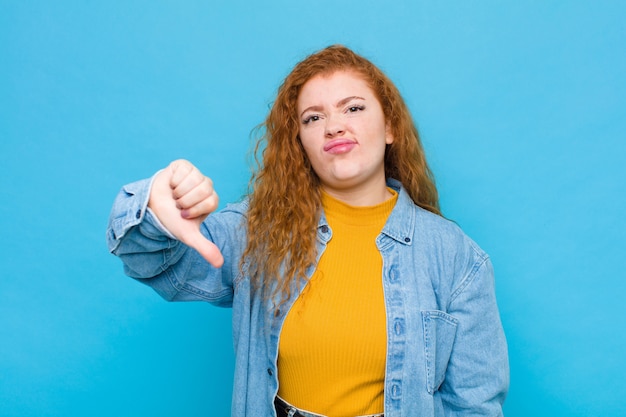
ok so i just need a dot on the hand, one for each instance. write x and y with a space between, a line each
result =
181 198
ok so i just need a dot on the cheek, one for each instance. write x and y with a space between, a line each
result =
307 145
379 132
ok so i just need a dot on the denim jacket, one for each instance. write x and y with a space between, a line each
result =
446 350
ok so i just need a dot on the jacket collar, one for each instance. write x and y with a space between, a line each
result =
401 221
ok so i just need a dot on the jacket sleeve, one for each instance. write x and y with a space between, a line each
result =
151 255
477 376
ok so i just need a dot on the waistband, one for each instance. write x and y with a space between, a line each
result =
284 409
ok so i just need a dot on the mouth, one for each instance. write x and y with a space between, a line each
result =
338 146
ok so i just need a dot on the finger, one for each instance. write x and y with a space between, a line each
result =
180 169
187 194
206 249
203 208
194 181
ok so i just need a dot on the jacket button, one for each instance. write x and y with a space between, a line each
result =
393 275
269 371
398 327
138 214
407 239
324 229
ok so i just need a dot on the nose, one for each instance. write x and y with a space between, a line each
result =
334 126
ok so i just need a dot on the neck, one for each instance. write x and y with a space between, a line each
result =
360 197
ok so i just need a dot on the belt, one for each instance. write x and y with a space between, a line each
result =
284 409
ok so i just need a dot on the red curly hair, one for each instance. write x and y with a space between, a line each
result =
285 197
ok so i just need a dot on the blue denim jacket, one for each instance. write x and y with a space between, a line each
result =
446 350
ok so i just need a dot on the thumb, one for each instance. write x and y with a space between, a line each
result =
205 248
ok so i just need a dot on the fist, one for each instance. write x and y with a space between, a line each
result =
182 197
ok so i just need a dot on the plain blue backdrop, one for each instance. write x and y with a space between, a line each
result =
522 110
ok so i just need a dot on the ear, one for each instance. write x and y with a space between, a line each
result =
388 134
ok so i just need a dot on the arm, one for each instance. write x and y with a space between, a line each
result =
154 225
477 376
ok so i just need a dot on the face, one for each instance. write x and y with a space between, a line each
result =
344 134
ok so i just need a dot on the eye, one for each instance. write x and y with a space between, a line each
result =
311 118
356 108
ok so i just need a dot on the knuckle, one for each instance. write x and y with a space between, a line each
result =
214 200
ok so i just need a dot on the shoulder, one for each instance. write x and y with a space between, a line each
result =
439 246
445 233
430 229
238 208
230 220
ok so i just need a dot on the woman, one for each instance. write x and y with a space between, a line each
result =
351 295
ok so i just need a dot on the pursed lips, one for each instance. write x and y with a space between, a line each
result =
340 145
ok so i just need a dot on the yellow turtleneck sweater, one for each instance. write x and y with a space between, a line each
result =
333 344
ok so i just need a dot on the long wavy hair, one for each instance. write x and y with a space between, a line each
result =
285 195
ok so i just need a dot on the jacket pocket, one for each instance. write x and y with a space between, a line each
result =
439 334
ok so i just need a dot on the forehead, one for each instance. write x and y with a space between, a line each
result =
333 87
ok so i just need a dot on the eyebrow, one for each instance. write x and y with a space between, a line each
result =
339 104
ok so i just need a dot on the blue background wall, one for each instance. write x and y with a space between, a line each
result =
522 109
